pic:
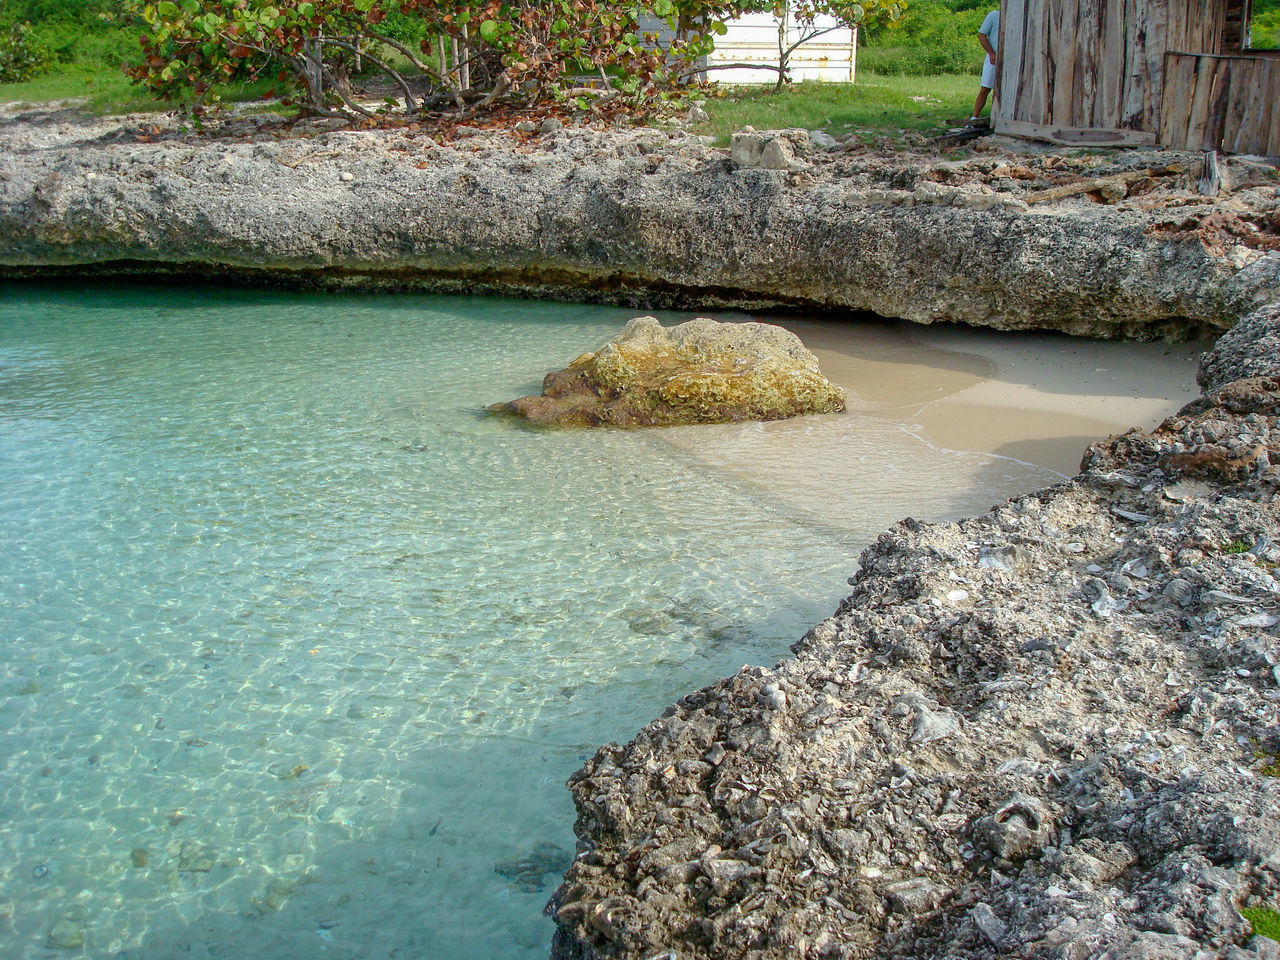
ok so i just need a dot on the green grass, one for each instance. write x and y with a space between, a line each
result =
1271 768
104 89
874 105
1266 922
89 69
922 61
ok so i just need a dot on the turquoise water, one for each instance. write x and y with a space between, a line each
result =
299 647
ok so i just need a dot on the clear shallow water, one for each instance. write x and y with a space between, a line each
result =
297 647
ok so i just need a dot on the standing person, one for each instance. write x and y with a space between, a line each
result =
989 37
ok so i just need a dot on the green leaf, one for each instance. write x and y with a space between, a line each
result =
191 7
306 10
364 6
663 8
166 8
488 31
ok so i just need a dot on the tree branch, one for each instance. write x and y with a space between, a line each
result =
410 102
408 52
694 71
498 90
809 36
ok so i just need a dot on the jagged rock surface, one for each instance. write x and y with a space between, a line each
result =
644 217
701 371
1249 349
1044 732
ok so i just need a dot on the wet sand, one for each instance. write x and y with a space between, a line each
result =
940 417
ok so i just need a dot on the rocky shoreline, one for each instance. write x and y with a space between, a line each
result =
649 218
1050 731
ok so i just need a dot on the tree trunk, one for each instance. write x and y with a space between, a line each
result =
465 79
782 49
315 71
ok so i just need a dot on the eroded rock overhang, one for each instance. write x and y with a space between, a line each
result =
645 218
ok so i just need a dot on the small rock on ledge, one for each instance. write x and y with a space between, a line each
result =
702 371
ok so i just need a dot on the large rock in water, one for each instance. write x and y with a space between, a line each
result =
702 371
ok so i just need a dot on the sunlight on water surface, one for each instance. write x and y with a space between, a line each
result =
299 647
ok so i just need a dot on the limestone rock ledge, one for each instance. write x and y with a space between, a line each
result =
645 218
1051 731
701 371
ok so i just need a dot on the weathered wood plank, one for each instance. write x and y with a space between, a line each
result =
1134 104
1042 96
1212 140
1089 30
1031 56
1236 103
1026 59
1200 99
1249 117
1110 68
1186 96
1271 73
1067 60
1254 129
1077 135
1173 110
1229 103
1180 12
1012 43
1157 43
1269 82
1254 111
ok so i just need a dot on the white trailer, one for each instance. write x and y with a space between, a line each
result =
753 39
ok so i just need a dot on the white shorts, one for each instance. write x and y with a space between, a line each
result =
988 74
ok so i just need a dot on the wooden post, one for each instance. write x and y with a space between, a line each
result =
1210 176
313 52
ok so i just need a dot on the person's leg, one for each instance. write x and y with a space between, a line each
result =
983 93
985 86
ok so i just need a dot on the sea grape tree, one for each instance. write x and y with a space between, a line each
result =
464 56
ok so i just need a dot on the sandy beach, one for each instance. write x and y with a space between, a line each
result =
952 407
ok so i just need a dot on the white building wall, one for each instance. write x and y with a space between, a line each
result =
753 39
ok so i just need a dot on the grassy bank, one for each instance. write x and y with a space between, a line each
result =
103 90
875 104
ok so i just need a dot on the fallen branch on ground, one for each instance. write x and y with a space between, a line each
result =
1097 184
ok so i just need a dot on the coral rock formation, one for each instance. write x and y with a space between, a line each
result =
1005 239
702 371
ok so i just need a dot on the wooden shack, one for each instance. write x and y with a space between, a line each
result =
1177 73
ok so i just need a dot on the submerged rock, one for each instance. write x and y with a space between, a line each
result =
702 371
529 872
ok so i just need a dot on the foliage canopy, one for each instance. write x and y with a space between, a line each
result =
459 55
22 54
